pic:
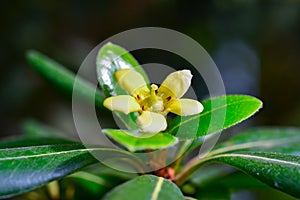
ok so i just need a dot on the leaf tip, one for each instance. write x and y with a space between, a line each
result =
30 54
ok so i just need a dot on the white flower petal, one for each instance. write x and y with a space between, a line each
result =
152 122
131 81
184 107
175 85
123 103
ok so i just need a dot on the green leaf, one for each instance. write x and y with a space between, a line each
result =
111 58
144 188
228 183
235 180
263 139
24 141
104 180
89 185
63 78
210 173
213 193
280 171
157 141
26 168
271 139
33 128
218 114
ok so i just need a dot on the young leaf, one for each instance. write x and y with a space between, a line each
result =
218 114
271 139
111 58
157 141
62 77
26 168
144 188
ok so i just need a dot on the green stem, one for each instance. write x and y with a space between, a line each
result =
192 166
180 154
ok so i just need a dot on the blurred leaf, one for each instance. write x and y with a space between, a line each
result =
189 198
99 169
228 183
218 114
210 173
111 58
157 141
144 188
88 185
33 128
105 180
26 168
235 181
213 193
63 78
271 139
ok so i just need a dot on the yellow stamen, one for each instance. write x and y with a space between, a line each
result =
153 90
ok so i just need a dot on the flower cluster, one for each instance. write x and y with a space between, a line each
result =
153 103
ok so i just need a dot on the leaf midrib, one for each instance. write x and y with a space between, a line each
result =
254 157
157 188
255 144
55 153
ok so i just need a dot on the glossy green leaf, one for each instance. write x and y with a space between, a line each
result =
280 171
26 168
157 141
265 139
145 187
111 58
62 78
218 114
271 139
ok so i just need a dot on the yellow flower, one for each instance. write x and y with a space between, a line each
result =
155 103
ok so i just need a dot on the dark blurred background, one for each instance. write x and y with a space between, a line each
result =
256 45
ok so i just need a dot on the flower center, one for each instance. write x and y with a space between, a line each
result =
152 102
